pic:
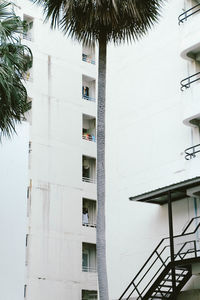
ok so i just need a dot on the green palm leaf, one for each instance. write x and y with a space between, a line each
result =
15 59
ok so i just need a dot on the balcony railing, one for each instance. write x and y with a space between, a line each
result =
89 225
89 180
186 82
85 97
192 151
88 59
89 137
186 14
89 269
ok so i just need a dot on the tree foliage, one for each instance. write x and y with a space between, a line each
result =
87 20
15 60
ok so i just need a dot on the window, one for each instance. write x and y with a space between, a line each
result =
89 295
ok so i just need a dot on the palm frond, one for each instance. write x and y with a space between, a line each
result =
118 20
15 60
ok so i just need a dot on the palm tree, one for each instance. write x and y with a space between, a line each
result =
15 60
102 21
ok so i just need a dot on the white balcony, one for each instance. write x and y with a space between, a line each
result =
191 104
88 169
88 88
88 54
89 213
89 128
189 22
89 258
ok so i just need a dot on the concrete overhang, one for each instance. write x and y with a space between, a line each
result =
177 190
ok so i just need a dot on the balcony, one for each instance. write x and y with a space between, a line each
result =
88 169
89 128
190 87
89 295
88 59
28 34
188 13
88 54
89 258
88 88
192 151
190 41
89 213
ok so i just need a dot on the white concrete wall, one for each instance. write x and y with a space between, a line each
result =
146 139
56 234
13 219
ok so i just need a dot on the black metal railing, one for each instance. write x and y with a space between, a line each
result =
188 13
186 82
86 97
192 151
186 245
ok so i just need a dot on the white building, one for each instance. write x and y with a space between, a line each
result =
151 124
60 259
13 182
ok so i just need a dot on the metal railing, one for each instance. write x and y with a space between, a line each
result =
89 180
186 82
85 97
89 137
88 59
192 151
89 225
89 269
186 246
186 14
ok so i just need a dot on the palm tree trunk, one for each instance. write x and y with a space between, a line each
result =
101 241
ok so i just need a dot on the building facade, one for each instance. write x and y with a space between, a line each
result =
61 193
13 178
153 147
152 144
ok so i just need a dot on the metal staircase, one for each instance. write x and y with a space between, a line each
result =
159 277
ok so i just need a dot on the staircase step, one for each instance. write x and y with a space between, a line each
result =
158 297
177 275
165 285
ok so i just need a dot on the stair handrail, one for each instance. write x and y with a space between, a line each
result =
156 252
188 225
